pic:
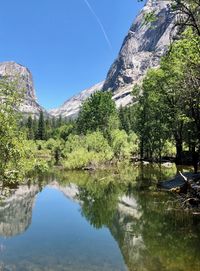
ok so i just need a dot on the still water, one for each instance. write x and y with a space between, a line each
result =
106 221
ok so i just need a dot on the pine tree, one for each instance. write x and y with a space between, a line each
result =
41 135
59 122
30 134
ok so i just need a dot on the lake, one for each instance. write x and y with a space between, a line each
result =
110 220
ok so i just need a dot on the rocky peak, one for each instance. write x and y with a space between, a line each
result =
11 70
72 106
142 49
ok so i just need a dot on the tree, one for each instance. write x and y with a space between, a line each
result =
30 127
186 15
170 103
41 135
151 123
98 113
127 117
11 139
124 118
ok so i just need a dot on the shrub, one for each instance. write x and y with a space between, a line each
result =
121 144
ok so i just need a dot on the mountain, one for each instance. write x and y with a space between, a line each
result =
142 49
14 70
72 106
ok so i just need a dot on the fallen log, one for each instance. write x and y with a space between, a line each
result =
178 181
187 186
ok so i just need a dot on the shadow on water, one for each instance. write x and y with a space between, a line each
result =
121 205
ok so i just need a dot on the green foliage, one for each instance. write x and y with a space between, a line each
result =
17 154
81 151
127 118
170 101
41 134
52 144
64 130
11 140
122 144
169 149
97 113
40 166
30 127
186 12
150 18
96 142
73 143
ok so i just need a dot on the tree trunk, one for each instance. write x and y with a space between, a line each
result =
179 149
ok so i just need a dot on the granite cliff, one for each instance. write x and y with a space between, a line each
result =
14 70
142 49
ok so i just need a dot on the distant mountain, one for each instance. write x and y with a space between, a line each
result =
12 70
142 49
72 106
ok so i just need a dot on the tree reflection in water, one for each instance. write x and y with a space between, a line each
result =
150 234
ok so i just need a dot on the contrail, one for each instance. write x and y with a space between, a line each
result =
99 23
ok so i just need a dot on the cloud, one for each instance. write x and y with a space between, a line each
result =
99 23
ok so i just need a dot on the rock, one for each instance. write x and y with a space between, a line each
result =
178 181
12 70
145 162
142 49
71 107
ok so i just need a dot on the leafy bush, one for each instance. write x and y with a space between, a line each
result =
73 143
134 140
40 166
169 149
81 151
121 144
96 142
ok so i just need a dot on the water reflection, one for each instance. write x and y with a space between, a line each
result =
149 234
16 211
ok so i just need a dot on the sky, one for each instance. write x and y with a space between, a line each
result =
68 45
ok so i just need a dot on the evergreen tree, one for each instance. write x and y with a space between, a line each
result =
35 128
41 135
59 122
125 119
30 134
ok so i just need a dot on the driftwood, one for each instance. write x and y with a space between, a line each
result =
187 188
190 194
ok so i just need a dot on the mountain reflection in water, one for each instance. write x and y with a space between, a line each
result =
131 227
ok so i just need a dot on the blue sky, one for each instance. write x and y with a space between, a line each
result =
65 45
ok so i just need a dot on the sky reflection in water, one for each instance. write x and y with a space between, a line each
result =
87 226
